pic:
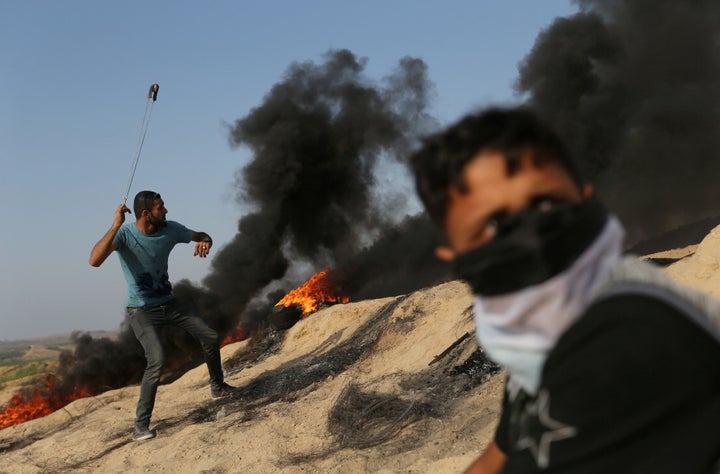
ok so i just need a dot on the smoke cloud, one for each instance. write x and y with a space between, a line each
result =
318 141
634 86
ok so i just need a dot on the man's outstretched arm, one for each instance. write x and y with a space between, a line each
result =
106 245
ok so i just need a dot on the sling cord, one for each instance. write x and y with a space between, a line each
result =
152 94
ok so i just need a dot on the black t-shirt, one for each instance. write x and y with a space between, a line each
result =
632 387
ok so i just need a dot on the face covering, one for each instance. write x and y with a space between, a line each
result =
530 247
535 278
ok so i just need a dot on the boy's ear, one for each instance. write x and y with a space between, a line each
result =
445 253
588 191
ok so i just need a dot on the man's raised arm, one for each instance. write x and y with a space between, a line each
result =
106 245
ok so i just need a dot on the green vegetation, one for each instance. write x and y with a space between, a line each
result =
22 363
59 347
11 355
24 369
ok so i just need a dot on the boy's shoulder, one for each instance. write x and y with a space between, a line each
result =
640 315
639 290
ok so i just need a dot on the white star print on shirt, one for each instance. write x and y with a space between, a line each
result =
556 430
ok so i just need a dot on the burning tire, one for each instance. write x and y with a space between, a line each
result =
284 317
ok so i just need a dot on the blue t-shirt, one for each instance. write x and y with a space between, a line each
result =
144 260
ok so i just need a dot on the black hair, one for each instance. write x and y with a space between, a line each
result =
439 163
144 201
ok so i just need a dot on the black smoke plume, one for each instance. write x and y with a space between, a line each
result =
634 86
318 141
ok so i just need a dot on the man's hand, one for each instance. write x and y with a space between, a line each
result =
119 217
106 244
204 242
202 249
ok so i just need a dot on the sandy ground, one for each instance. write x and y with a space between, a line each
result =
348 389
700 270
675 254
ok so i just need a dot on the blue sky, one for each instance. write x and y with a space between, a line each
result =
73 82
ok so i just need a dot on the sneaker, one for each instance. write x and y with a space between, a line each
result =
140 434
223 391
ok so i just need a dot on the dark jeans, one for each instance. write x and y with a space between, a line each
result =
144 322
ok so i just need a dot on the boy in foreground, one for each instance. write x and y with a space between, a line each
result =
611 367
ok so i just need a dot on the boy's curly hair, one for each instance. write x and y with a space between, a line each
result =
439 163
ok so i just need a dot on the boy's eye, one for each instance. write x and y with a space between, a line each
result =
486 230
491 227
544 204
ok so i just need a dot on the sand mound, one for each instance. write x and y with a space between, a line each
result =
348 389
700 269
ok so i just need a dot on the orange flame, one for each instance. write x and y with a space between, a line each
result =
42 400
238 334
318 289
